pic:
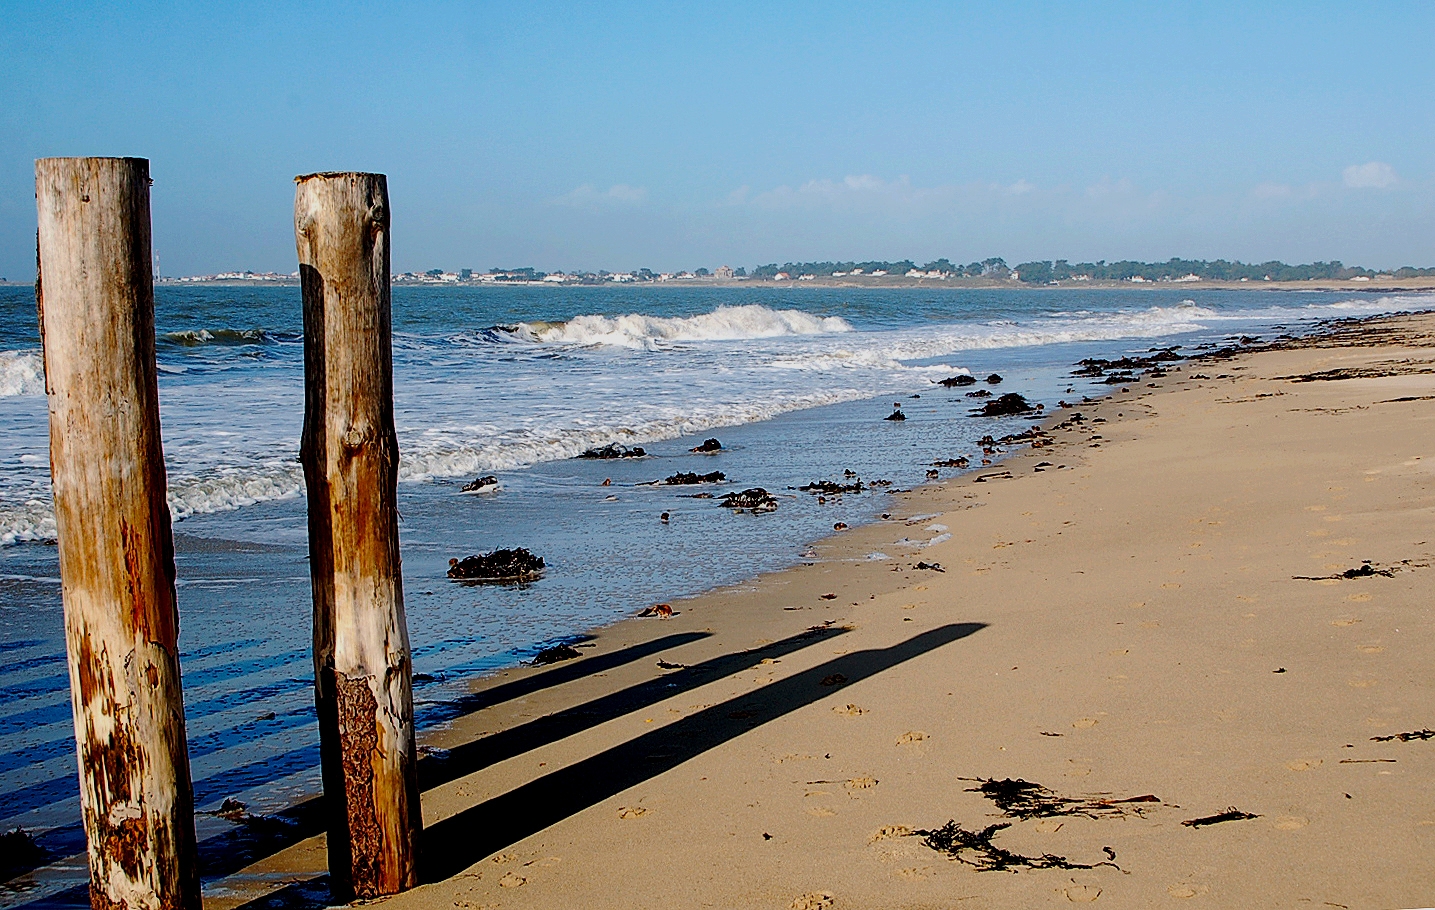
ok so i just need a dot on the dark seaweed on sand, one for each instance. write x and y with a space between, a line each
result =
1405 737
975 848
555 654
1232 814
500 565
1025 800
1364 570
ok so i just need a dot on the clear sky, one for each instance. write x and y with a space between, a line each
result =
616 135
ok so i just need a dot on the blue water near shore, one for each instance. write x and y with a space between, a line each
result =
516 382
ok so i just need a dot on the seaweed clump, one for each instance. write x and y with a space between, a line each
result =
691 478
555 654
832 488
1010 403
975 848
754 500
501 565
952 382
19 852
614 450
1025 800
708 447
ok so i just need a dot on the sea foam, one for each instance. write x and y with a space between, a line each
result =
21 373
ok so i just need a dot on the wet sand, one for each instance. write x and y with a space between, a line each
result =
1147 618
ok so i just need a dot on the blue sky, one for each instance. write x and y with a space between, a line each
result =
675 136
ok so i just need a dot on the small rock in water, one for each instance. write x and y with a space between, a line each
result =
614 450
485 484
500 565
754 500
994 379
954 381
979 393
708 447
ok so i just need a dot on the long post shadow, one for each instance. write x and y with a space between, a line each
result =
457 842
464 760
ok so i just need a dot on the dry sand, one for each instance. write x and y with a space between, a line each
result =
1133 624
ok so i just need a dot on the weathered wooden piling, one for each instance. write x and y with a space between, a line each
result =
95 296
363 677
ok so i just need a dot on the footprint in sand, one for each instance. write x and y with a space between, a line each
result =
632 812
1370 649
1085 723
1170 584
889 832
1290 823
1081 894
1150 625
1361 683
861 783
1305 764
1359 598
813 900
907 739
1344 622
1049 825
917 872
822 812
510 880
850 710
1184 890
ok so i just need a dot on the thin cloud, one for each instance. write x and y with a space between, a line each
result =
1373 175
587 196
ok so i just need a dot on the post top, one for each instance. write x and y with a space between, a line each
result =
336 175
126 158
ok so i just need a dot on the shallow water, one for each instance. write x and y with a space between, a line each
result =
794 382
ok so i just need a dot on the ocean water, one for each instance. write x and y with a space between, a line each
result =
516 382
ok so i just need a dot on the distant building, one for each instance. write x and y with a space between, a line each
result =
781 276
723 271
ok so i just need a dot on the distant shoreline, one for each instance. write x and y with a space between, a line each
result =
1375 285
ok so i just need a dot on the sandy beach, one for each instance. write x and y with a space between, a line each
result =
1141 658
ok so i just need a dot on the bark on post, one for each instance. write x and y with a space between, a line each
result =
95 297
362 674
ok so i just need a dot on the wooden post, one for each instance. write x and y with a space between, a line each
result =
362 674
95 296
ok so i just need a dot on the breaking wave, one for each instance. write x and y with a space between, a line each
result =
726 323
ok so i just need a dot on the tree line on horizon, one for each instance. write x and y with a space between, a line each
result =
1032 272
1044 272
